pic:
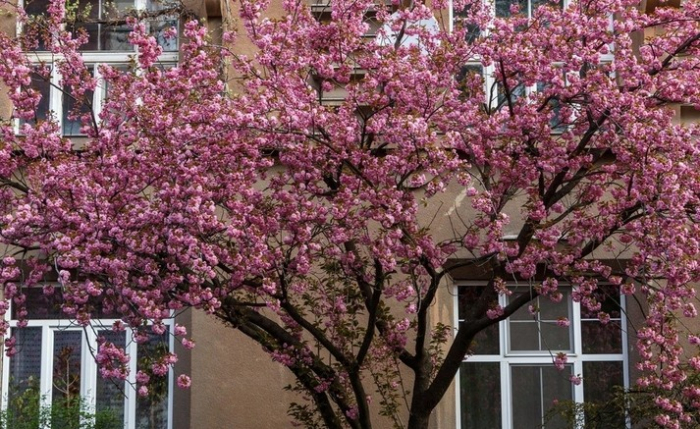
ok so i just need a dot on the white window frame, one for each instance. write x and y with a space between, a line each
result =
507 358
91 59
89 370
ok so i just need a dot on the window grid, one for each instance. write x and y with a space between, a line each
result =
508 359
88 367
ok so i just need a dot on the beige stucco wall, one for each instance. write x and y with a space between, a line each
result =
235 383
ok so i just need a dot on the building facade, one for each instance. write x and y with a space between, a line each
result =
509 379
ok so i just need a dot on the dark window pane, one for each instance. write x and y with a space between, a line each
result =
25 372
41 82
599 381
74 108
103 21
609 299
486 341
42 306
65 399
540 331
152 410
550 310
503 7
115 38
523 313
555 337
34 29
110 392
85 19
480 390
599 338
524 336
536 388
463 19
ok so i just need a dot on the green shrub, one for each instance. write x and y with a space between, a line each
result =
25 412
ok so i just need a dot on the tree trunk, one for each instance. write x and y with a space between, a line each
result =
419 420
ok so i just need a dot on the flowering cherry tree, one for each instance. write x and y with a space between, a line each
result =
318 230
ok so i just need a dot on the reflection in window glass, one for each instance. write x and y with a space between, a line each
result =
66 378
110 392
598 337
34 28
25 372
152 409
540 332
103 22
480 390
74 108
598 388
536 389
41 82
486 341
161 22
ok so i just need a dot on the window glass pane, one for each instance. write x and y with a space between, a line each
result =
609 299
523 313
486 341
162 22
463 19
103 21
599 338
524 336
74 108
540 332
65 397
42 306
550 310
114 35
599 380
41 82
535 389
34 28
85 19
471 79
25 372
152 410
480 390
555 337
110 392
517 91
596 336
503 7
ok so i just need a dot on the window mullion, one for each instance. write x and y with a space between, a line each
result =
130 392
171 373
46 377
578 388
56 96
576 328
625 342
99 94
506 395
5 365
88 373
